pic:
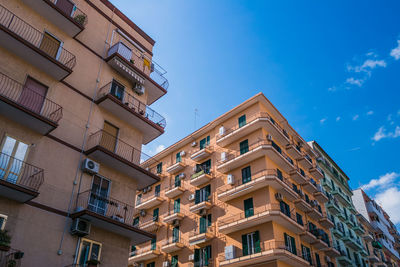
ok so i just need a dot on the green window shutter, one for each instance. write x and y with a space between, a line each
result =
177 205
244 146
197 197
285 237
175 234
279 174
203 224
159 167
318 260
209 220
157 190
207 254
174 261
153 244
155 214
136 221
242 121
196 256
178 157
245 247
208 191
177 181
248 207
246 175
208 140
257 246
293 241
202 143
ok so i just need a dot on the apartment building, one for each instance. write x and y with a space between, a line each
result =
76 82
384 231
347 232
241 191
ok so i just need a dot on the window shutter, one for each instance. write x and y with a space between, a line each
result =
177 205
246 174
197 200
209 220
202 143
293 241
155 214
208 140
248 207
203 224
245 247
257 241
208 191
177 181
244 146
285 236
196 256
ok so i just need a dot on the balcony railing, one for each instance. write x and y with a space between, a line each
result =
18 172
119 148
33 36
29 99
141 62
135 105
77 15
105 206
11 258
146 197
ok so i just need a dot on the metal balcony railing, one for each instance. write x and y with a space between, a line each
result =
35 37
77 15
105 206
11 258
29 99
118 147
18 172
141 62
135 105
141 198
174 239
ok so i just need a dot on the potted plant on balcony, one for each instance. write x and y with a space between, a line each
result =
5 240
92 263
11 263
80 19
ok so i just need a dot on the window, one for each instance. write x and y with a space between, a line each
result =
202 256
88 250
174 261
306 254
204 167
153 244
136 221
159 167
133 251
175 234
177 205
10 168
251 243
205 222
3 220
151 264
299 218
248 207
242 121
203 194
109 137
204 142
177 181
290 243
156 212
157 190
100 191
246 175
139 199
285 209
244 146
178 157
117 90
33 95
279 174
317 260
50 45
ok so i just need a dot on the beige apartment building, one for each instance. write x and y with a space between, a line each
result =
76 79
241 191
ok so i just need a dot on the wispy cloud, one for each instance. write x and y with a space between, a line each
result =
383 133
368 65
355 148
322 121
338 118
355 117
395 52
152 151
382 182
389 199
369 113
354 81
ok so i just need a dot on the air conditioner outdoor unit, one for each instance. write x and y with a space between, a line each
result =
191 257
222 130
191 197
139 89
80 227
194 144
182 175
90 166
269 137
175 223
183 153
230 179
143 213
165 264
203 212
278 196
223 156
229 252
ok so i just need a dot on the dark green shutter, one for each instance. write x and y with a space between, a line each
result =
174 261
153 244
318 260
202 143
209 220
178 157
246 175
248 207
197 200
177 181
285 236
203 224
293 241
157 190
245 247
257 242
155 214
244 146
177 205
175 234
208 191
196 256
242 121
208 140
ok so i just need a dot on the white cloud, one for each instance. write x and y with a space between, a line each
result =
322 121
398 112
152 151
160 148
395 53
367 65
380 134
383 181
332 89
371 112
354 81
389 199
338 118
355 117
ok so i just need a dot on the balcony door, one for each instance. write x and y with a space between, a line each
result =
33 95
251 243
117 90
50 45
109 137
13 154
99 195
66 6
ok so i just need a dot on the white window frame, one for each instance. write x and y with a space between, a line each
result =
4 222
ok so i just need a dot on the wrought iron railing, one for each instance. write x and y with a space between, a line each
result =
77 15
105 206
29 99
141 198
142 62
11 258
174 239
135 105
18 172
118 147
36 38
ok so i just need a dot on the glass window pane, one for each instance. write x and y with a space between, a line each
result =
95 252
8 146
84 253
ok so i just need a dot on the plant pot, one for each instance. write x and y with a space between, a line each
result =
4 248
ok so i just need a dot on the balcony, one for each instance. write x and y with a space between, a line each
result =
259 149
115 153
326 222
128 108
152 224
148 201
320 244
333 207
258 180
373 257
294 151
315 213
270 251
197 207
109 214
11 258
310 186
339 195
175 189
176 167
350 241
174 216
326 184
331 252
146 253
316 172
344 260
35 47
302 204
61 13
198 237
305 162
308 235
26 107
359 229
19 181
139 69
260 215
320 195
201 177
202 154
173 244
298 176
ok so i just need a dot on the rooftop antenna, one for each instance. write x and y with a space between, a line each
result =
196 113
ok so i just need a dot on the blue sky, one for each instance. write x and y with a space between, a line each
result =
331 68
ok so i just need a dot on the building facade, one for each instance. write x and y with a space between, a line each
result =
241 191
386 236
347 233
76 82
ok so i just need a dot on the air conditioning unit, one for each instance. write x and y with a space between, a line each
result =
183 153
327 259
182 176
191 257
176 223
90 166
223 156
194 144
80 227
142 213
278 196
191 197
230 179
269 137
221 130
203 212
230 252
139 89
165 264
